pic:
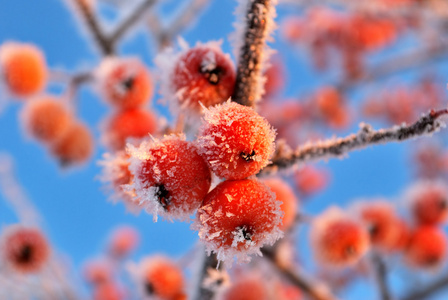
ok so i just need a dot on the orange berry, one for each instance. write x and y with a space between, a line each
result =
97 272
23 67
170 177
332 107
237 218
246 288
75 146
310 180
125 83
337 239
108 291
285 194
46 119
123 241
235 140
162 278
132 123
427 247
24 249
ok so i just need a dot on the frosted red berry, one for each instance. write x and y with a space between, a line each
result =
338 239
427 247
23 68
284 193
46 119
108 291
75 146
235 141
170 177
203 74
125 83
25 249
123 241
238 217
246 288
428 202
132 123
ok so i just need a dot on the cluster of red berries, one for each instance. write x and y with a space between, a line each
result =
46 118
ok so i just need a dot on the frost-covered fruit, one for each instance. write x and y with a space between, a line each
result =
203 74
429 203
284 193
310 180
246 288
383 225
337 239
237 218
235 141
24 249
162 279
123 241
170 177
97 272
75 146
131 123
125 82
427 247
46 119
23 68
331 106
108 291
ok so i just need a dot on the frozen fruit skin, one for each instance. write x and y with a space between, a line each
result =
161 278
125 82
24 249
246 288
238 217
284 193
337 239
428 202
23 68
46 119
75 146
131 123
203 74
427 247
170 177
235 141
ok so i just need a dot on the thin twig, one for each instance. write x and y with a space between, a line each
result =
131 20
312 290
339 147
427 291
380 272
248 78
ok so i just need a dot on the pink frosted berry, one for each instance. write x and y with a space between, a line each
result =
170 177
235 141
238 217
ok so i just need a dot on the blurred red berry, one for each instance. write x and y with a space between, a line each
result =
427 247
123 241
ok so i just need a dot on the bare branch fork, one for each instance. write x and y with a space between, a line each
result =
380 272
106 43
339 147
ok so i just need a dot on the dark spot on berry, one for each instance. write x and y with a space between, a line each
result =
212 73
246 232
219 281
431 260
350 250
373 230
248 157
443 204
149 288
163 196
128 83
25 255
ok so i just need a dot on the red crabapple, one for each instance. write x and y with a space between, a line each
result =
202 74
235 140
46 118
97 272
108 291
131 123
427 247
338 239
237 218
310 180
23 68
75 146
284 193
161 278
24 249
331 106
170 177
123 241
428 202
125 83
246 288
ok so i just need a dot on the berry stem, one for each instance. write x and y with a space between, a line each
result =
247 85
339 147
427 291
380 272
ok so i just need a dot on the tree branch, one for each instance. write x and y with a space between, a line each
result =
210 262
248 78
432 288
380 272
338 147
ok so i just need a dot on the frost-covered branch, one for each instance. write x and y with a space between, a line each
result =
314 291
367 136
429 290
380 273
209 262
258 21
